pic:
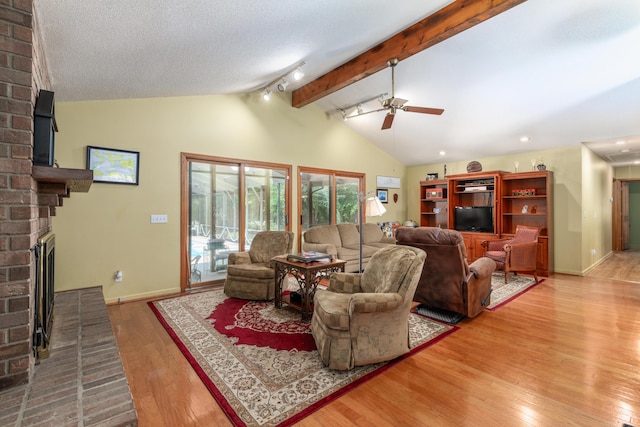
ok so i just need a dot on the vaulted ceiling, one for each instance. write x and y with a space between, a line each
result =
562 73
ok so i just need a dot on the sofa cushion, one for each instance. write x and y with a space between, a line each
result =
323 234
371 233
252 271
349 235
347 253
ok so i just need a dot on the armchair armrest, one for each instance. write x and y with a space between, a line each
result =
495 245
345 283
390 240
325 248
374 303
236 258
481 268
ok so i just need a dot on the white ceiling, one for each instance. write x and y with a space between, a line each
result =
561 72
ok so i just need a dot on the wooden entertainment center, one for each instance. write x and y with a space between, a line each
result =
504 199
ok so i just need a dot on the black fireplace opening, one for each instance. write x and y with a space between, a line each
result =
44 294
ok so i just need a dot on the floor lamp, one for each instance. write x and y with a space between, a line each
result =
374 208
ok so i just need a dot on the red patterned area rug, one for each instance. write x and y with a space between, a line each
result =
502 293
261 363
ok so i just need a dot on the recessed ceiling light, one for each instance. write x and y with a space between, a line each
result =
442 152
525 138
620 142
637 162
626 150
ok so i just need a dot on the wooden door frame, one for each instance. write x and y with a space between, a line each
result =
185 158
616 214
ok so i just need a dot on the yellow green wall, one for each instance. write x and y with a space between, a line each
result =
597 202
109 229
570 170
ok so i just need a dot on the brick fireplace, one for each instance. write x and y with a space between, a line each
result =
29 194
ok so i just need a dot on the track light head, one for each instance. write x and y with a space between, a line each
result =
266 94
282 86
298 74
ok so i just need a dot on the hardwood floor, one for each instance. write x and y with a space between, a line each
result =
565 353
620 265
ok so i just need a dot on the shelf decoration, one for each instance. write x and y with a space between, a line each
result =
524 192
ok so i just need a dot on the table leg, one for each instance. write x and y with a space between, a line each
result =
280 273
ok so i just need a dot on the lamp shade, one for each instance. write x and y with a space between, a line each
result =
374 206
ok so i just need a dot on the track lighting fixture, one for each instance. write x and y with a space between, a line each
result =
356 110
282 86
281 82
298 74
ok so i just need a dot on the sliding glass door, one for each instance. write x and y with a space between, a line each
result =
225 203
328 197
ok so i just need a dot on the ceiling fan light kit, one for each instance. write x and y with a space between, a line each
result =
391 105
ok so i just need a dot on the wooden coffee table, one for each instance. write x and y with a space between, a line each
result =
308 275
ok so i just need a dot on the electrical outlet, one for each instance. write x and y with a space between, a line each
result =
159 219
593 251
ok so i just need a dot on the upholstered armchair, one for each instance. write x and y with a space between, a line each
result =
363 318
448 282
250 275
516 255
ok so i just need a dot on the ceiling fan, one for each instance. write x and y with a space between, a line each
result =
394 104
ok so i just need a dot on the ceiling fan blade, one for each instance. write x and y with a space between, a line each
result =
388 121
423 110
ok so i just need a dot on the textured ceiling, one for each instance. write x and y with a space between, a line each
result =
562 72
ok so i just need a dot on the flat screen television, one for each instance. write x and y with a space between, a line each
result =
474 218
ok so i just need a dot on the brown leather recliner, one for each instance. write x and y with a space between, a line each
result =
448 282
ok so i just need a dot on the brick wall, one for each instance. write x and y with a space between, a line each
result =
23 72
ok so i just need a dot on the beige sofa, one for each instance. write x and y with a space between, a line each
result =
343 242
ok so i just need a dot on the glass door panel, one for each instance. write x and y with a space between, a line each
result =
316 199
214 218
265 207
347 200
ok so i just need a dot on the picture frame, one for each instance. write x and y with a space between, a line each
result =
432 176
114 166
387 181
383 195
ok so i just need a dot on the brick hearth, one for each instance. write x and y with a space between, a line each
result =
83 380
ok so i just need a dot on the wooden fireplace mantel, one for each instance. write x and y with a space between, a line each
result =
55 184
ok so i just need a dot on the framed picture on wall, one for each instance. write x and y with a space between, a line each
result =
113 166
383 195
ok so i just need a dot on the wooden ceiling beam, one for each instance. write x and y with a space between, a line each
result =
447 22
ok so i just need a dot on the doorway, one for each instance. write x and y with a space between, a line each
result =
626 215
224 204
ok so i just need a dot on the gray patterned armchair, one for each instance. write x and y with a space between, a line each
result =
363 318
251 275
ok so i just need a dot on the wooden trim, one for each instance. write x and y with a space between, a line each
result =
445 23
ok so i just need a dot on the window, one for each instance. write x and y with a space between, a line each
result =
328 197
225 203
